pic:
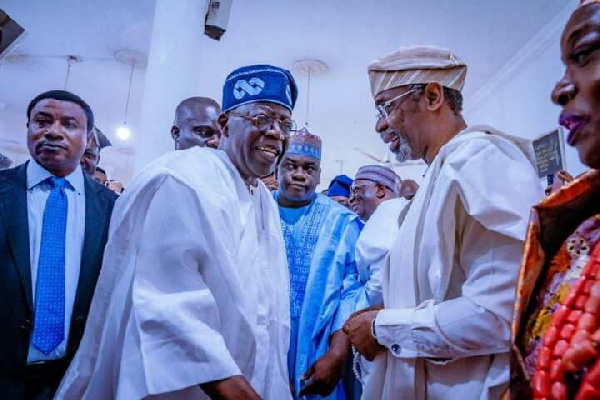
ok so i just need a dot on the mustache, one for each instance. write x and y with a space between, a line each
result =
388 133
405 152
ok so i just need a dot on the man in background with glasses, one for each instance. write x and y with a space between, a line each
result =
373 185
374 196
320 236
449 282
193 299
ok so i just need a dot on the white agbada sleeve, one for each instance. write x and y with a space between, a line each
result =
475 320
178 301
173 310
373 245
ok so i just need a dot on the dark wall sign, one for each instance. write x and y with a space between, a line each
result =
548 153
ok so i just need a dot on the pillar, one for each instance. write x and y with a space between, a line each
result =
171 75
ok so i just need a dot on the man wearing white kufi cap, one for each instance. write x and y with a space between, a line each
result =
449 282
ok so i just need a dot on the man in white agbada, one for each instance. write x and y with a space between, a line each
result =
374 197
193 298
449 282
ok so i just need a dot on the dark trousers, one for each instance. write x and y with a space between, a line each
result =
42 379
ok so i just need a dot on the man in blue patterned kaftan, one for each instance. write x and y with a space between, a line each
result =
320 237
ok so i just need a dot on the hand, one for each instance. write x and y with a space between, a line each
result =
233 388
561 178
115 186
371 308
323 375
358 329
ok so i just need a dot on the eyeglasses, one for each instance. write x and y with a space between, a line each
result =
354 189
265 122
382 108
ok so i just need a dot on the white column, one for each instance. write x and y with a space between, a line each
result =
172 73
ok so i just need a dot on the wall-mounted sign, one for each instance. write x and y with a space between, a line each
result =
549 153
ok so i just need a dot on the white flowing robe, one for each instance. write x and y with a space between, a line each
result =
372 248
194 288
449 283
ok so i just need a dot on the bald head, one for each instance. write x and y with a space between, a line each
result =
196 123
408 189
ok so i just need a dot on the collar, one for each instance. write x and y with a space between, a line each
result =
36 174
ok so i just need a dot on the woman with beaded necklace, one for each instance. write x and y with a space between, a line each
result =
556 328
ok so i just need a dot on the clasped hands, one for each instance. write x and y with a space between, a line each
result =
358 329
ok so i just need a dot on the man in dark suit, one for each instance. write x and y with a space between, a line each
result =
53 227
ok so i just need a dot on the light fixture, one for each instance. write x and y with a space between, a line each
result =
133 59
123 132
309 68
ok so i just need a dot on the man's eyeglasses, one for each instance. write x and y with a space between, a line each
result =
265 122
354 189
382 109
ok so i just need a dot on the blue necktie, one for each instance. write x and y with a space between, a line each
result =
49 322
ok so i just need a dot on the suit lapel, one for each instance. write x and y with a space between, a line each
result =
95 219
13 206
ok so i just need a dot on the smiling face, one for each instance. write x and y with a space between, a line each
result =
366 196
57 135
578 92
400 130
253 151
299 176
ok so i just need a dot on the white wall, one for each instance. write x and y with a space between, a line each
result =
517 101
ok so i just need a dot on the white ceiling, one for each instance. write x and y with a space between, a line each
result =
345 34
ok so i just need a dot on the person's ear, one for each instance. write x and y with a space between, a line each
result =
380 193
434 96
175 132
223 120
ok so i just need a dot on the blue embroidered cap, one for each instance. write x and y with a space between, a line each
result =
340 186
304 143
259 83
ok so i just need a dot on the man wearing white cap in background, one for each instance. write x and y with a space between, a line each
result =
449 282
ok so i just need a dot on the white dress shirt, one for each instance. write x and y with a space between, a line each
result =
37 194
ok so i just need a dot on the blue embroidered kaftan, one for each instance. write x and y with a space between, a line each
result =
320 240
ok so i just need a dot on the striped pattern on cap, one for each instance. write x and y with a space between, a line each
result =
380 174
417 65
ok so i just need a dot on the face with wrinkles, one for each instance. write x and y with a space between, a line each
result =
366 196
401 116
254 151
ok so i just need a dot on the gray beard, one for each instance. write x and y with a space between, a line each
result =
405 152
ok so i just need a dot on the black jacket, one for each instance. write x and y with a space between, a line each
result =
16 308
